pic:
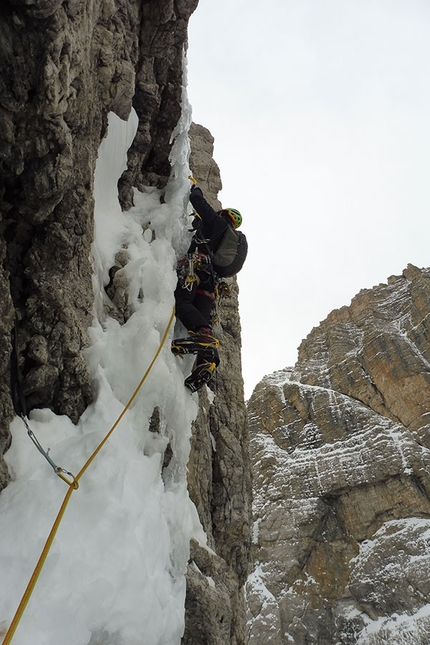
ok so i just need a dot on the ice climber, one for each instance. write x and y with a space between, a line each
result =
215 252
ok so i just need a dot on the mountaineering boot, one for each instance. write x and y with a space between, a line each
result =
205 336
196 342
200 376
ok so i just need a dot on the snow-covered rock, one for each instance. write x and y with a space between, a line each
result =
341 457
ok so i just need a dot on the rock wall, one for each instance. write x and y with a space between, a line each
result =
64 65
341 458
219 468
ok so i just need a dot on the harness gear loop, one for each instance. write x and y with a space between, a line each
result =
73 485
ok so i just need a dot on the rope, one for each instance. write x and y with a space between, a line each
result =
73 486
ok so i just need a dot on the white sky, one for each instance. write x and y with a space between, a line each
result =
320 112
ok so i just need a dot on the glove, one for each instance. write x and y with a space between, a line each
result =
195 190
197 222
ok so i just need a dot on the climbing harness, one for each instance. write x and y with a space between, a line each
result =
73 485
187 267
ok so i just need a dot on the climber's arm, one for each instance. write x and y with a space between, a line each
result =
201 206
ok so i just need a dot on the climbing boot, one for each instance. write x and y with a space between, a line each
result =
204 337
195 343
200 376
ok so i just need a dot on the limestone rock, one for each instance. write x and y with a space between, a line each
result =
212 612
158 96
63 67
219 468
388 576
341 460
59 69
202 163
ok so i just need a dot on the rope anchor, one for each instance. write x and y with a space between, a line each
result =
63 474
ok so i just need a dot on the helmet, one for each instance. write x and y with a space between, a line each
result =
234 215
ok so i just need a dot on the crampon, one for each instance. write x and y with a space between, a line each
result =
200 376
194 344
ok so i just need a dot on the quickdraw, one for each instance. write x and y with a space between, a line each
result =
62 473
187 267
191 277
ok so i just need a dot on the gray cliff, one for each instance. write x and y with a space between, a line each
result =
219 467
340 449
64 65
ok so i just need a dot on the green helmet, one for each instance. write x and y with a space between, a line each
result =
235 216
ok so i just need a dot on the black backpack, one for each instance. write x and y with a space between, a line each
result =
231 253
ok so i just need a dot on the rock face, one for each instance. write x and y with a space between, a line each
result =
64 65
219 468
341 454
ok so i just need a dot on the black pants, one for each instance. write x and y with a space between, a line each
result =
193 308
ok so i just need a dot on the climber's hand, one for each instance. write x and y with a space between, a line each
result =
195 191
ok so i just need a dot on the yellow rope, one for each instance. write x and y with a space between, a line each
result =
73 485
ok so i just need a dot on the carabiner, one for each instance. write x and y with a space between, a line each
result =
61 472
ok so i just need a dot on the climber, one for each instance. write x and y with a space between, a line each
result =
199 282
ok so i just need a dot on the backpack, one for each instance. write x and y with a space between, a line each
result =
231 253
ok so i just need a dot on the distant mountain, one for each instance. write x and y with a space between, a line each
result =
340 450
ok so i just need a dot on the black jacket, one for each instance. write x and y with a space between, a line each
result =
212 225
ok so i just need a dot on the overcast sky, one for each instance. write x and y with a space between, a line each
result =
320 112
